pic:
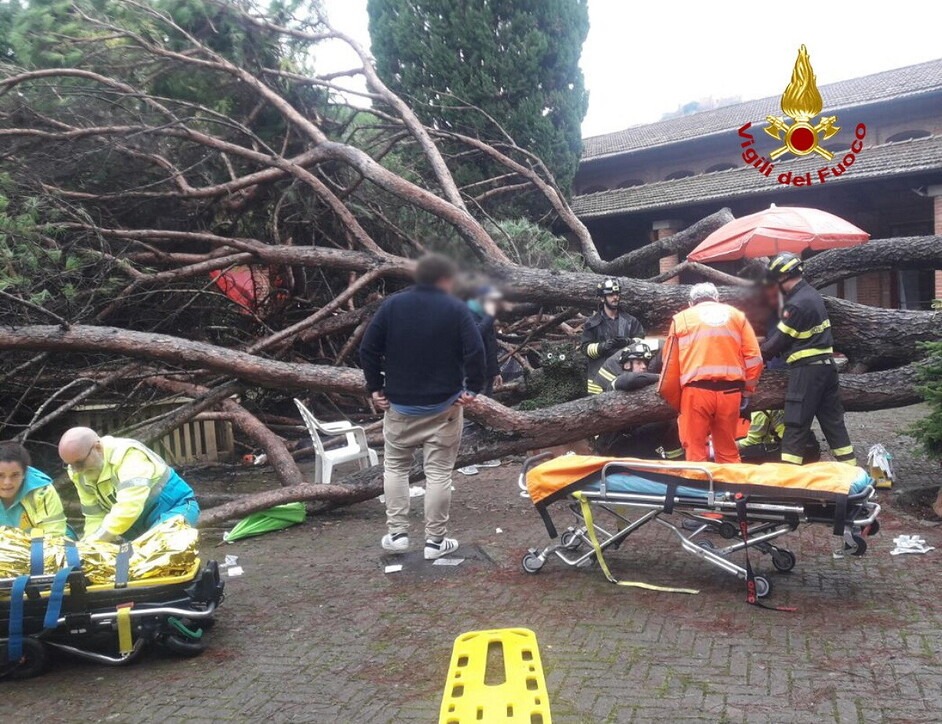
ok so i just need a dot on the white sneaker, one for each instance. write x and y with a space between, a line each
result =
437 549
395 542
490 464
469 470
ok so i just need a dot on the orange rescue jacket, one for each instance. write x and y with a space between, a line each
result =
710 341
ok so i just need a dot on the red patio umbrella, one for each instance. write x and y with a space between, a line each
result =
777 229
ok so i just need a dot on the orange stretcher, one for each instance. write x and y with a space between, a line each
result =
750 505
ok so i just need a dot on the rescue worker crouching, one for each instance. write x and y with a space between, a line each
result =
608 329
124 487
28 497
625 370
803 336
712 365
764 438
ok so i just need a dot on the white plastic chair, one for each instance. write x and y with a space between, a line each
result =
356 449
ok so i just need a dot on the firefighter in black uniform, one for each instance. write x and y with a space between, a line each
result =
625 370
803 337
608 329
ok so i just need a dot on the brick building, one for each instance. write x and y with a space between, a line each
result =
648 181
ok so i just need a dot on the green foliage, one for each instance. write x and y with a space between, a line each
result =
928 431
532 245
561 378
517 60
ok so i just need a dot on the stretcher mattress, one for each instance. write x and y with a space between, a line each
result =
634 484
824 481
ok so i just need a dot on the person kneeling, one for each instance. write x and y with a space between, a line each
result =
626 370
125 488
28 496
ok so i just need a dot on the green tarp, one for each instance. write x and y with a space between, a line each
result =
267 521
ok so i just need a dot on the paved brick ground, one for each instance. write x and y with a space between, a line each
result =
316 632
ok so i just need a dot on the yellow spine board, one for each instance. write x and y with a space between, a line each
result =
520 692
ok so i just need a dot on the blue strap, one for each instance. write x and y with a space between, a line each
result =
122 565
15 635
56 596
57 592
36 553
72 558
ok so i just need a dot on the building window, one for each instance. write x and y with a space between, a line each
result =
629 182
678 174
720 167
594 189
907 136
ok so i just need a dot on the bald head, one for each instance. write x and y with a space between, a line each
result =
76 444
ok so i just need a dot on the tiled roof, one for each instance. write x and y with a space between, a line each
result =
890 84
890 159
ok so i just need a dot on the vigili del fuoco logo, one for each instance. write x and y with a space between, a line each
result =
798 133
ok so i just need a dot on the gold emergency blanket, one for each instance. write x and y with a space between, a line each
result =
166 550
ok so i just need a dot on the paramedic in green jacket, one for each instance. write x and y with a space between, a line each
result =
125 488
28 497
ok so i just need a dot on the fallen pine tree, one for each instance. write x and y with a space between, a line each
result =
502 432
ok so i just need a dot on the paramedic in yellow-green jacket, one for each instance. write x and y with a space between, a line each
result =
28 498
125 488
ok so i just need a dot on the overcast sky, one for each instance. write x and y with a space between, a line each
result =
643 59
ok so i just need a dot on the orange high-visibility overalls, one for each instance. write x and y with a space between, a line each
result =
711 360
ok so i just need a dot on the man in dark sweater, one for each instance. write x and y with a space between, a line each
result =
423 360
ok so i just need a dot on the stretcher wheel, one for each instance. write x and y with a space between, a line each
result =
532 563
32 663
858 547
783 560
728 530
872 529
708 544
763 587
183 646
570 540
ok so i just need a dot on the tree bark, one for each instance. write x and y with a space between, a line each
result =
904 252
680 243
179 351
503 431
879 338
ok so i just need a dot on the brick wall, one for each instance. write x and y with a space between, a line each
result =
875 289
663 229
937 203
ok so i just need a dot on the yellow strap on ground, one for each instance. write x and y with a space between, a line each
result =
495 676
590 530
125 642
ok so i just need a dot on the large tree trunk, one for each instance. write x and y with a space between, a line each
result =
503 431
905 252
180 351
874 337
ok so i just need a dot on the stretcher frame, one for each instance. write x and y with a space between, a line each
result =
156 610
767 521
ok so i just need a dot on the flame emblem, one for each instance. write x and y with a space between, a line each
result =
801 102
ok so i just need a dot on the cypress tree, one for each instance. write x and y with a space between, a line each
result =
517 60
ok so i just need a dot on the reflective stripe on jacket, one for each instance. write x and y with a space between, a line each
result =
709 342
130 481
605 376
803 333
36 505
599 328
767 427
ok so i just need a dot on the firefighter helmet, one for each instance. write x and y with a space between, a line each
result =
609 286
636 350
784 266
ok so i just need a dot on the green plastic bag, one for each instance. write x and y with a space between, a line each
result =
267 521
